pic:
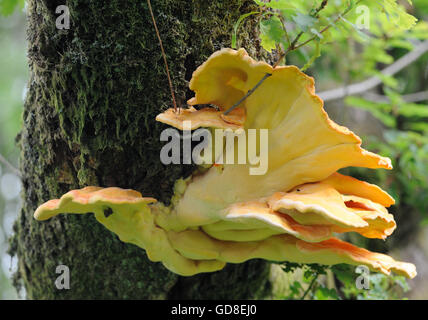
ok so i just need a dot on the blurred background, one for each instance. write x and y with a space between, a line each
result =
392 119
13 80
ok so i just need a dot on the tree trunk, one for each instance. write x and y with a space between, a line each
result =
89 119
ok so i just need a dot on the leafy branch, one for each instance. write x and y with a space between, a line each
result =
315 277
316 14
292 44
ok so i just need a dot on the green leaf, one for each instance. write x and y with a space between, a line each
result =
295 289
236 26
394 96
323 293
380 111
379 55
344 273
419 126
316 32
271 33
387 80
304 21
316 54
363 36
8 6
276 4
414 110
397 14
400 43
420 31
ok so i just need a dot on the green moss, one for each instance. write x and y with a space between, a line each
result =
94 92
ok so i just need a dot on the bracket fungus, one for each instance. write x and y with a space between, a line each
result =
291 213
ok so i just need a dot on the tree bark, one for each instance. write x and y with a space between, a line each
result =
89 119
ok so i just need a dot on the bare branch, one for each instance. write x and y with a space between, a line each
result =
310 286
294 46
372 82
411 97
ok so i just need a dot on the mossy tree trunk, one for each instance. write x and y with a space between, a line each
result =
94 92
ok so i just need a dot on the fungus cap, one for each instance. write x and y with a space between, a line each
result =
229 216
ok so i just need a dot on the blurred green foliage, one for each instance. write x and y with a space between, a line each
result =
7 7
13 79
381 287
338 282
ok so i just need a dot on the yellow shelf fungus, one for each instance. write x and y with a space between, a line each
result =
226 215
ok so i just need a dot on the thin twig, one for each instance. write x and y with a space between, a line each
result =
295 46
285 30
267 75
314 37
310 287
410 97
322 6
290 48
323 30
10 166
164 56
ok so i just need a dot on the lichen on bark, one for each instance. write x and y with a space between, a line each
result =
94 92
